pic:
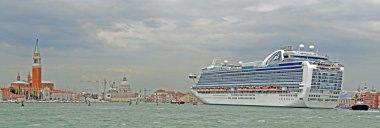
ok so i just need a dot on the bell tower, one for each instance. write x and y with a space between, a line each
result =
18 76
36 68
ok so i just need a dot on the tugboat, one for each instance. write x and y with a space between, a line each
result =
360 106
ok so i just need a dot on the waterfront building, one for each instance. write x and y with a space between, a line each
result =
371 99
9 94
46 94
62 95
346 99
122 93
1 95
349 98
378 102
20 86
167 96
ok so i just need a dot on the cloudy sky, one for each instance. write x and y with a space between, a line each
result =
157 43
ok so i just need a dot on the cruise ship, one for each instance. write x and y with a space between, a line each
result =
299 78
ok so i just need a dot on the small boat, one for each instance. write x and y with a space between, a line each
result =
359 106
177 102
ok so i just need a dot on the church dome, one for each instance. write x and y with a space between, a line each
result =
125 82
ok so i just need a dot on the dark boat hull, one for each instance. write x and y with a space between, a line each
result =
179 102
360 107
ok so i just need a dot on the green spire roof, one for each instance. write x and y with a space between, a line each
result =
37 48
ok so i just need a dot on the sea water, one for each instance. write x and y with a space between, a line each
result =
121 115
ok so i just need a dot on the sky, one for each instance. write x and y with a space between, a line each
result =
158 43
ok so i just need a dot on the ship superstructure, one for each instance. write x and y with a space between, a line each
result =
287 77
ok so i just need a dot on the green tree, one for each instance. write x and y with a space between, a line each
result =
12 90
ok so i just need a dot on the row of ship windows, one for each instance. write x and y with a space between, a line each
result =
327 77
252 73
318 82
291 95
288 85
326 71
313 90
241 82
323 87
254 77
336 79
258 81
286 98
327 84
320 99
242 94
253 81
320 96
251 98
310 99
327 74
314 95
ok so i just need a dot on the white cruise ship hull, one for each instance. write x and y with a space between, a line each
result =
295 100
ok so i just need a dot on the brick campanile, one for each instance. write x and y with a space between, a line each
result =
36 68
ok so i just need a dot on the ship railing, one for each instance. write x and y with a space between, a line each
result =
248 88
211 89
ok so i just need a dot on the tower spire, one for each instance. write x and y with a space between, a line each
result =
18 76
36 47
29 77
37 55
124 78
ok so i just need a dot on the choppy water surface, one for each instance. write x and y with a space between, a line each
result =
115 115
